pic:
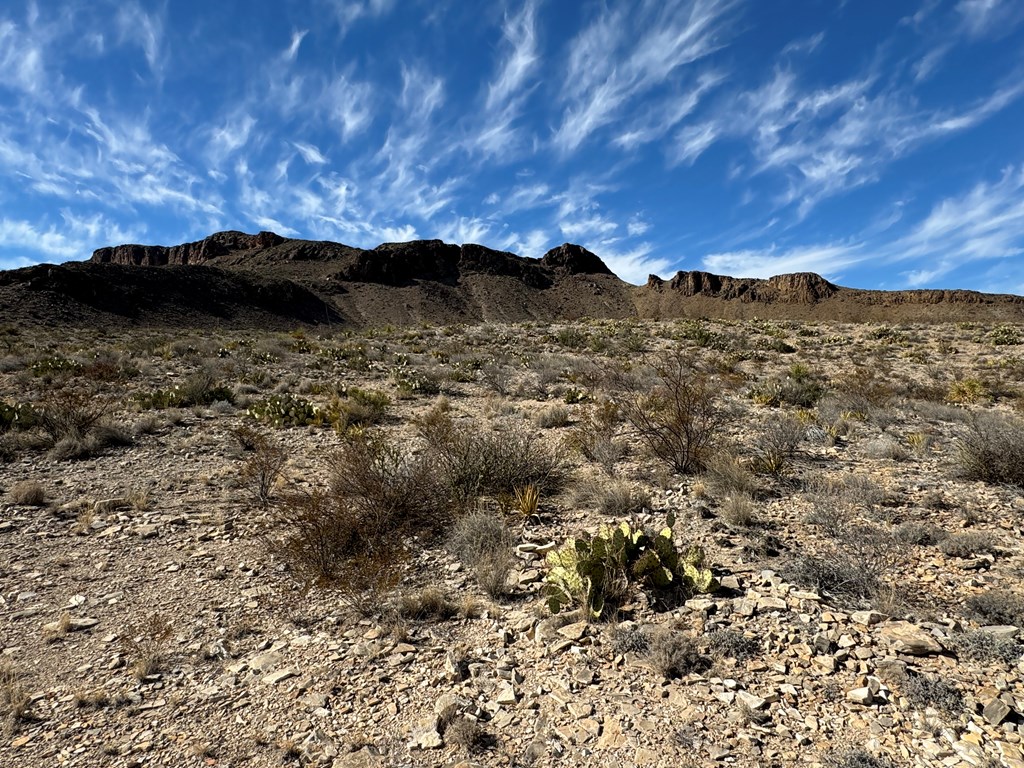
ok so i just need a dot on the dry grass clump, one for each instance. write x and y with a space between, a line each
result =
482 542
856 758
739 511
15 701
730 644
992 449
997 607
673 654
552 416
147 644
594 436
28 493
429 603
727 475
979 645
777 442
968 544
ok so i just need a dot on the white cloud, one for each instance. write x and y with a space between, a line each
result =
989 18
692 141
520 34
348 105
464 229
293 49
825 260
985 224
146 30
230 137
310 153
634 265
624 56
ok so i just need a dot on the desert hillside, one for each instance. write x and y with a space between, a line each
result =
598 543
237 280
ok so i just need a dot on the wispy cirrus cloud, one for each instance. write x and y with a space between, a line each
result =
827 260
624 54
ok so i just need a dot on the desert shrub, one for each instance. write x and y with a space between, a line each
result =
997 606
730 644
673 654
923 691
482 541
968 392
325 544
390 489
93 443
992 449
596 570
738 510
800 387
979 645
552 416
411 382
620 500
919 533
263 468
726 475
681 418
357 408
428 603
968 544
146 642
777 442
472 463
29 493
199 389
858 566
856 758
594 435
884 447
69 412
630 638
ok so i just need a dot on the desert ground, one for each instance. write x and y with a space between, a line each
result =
346 549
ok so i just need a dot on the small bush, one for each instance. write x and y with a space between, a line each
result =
471 463
482 541
680 420
263 468
552 417
856 758
969 544
925 691
968 392
620 500
992 450
429 603
673 654
730 644
147 642
777 442
29 493
983 646
997 606
15 700
594 436
726 475
630 638
919 534
200 389
885 447
359 408
739 511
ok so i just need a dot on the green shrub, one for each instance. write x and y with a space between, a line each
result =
19 416
1003 335
287 411
200 389
595 570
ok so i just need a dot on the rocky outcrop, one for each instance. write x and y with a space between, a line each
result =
574 260
799 288
199 252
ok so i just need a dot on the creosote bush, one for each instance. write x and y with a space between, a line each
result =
680 420
263 468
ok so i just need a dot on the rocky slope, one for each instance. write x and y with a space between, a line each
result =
234 279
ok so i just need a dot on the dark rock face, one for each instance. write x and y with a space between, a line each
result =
574 260
799 288
219 244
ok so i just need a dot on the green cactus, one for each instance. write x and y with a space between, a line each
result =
590 571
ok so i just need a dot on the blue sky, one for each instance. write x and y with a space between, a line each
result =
880 144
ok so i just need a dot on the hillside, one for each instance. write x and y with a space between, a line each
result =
233 279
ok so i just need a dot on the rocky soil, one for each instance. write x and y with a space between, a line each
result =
150 619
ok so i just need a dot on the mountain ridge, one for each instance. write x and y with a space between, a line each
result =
237 279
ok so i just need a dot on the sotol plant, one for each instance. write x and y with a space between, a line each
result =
597 570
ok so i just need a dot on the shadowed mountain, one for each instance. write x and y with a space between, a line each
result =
233 279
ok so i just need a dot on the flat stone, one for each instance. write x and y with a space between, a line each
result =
281 675
867 618
645 756
751 701
575 630
265 661
772 604
74 625
506 695
860 696
364 758
1002 631
996 711
910 639
612 736
428 739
